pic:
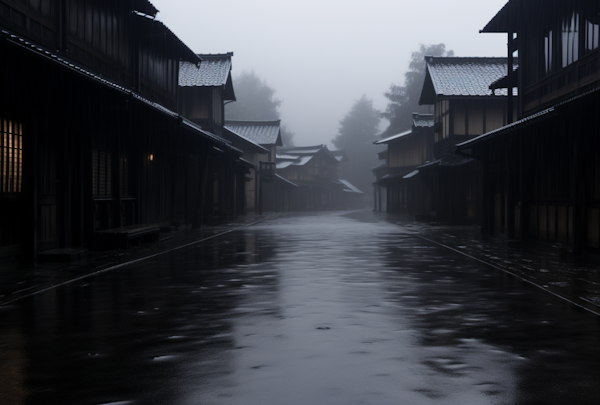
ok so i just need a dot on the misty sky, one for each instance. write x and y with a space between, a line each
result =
321 56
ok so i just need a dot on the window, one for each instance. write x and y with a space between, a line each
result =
102 173
442 120
124 176
591 36
548 52
11 156
570 40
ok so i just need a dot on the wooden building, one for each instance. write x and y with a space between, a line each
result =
204 89
314 169
267 193
398 176
90 136
465 107
542 172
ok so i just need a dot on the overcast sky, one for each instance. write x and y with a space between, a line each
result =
322 55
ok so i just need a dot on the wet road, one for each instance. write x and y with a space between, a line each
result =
330 308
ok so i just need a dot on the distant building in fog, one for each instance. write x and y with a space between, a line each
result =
314 169
397 185
276 192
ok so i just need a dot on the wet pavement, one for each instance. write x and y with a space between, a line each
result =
325 308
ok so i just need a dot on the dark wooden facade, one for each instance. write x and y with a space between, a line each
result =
405 190
90 136
465 107
541 173
260 139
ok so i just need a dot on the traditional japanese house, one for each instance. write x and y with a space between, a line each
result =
542 172
270 192
90 137
405 191
465 107
314 170
204 90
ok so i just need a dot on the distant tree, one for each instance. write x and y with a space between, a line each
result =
357 131
404 100
255 99
287 136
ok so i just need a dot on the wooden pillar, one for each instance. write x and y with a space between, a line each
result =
580 181
488 195
30 185
512 166
510 78
199 206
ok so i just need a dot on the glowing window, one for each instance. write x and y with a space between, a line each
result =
11 156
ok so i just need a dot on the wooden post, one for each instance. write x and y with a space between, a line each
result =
199 207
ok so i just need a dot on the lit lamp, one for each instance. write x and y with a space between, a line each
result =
150 157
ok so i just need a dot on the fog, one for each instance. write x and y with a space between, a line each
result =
321 56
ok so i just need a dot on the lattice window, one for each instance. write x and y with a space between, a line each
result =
102 172
11 156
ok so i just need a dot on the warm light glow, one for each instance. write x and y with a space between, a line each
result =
11 155
151 157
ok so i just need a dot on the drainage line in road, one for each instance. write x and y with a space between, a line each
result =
118 266
512 274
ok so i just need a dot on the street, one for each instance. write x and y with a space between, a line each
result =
330 308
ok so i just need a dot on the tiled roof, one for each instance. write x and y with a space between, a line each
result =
232 135
260 132
466 76
213 71
349 187
299 150
340 155
299 155
422 120
285 181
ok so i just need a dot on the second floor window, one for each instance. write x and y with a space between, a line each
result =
591 36
570 40
548 48
442 120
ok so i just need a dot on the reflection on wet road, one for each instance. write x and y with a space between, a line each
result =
328 308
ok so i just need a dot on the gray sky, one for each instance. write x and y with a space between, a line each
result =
322 55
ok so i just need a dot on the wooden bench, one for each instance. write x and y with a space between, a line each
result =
121 238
